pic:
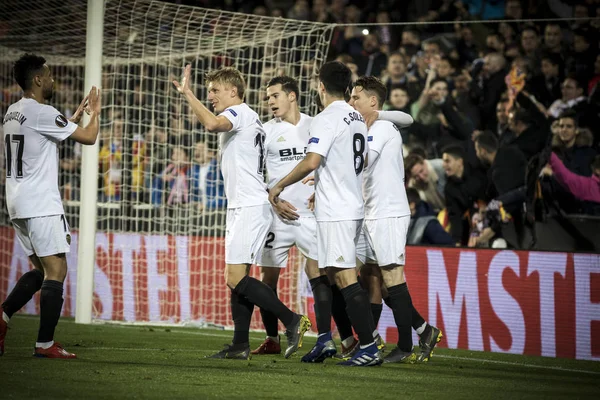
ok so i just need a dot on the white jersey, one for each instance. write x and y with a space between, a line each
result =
384 192
32 132
339 134
286 147
243 158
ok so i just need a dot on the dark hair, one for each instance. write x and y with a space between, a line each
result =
577 79
288 84
336 78
487 141
570 114
374 87
523 116
413 195
455 151
436 80
553 58
530 28
26 67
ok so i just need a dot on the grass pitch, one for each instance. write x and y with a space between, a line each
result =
133 362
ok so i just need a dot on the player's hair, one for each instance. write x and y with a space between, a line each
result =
455 151
373 87
288 84
413 195
26 67
410 161
336 78
228 76
487 141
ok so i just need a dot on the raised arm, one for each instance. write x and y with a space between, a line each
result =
89 134
582 187
209 120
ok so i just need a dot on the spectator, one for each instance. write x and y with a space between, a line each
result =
485 9
495 43
371 61
207 187
585 48
428 178
348 61
424 228
546 87
427 110
176 178
463 188
502 117
138 155
463 100
506 171
508 31
572 98
489 90
399 99
530 44
396 75
553 39
110 158
155 162
513 9
466 47
526 134
300 11
411 42
583 188
575 151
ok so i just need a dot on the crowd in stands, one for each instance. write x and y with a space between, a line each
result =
503 112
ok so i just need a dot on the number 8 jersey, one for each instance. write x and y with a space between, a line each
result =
32 132
339 135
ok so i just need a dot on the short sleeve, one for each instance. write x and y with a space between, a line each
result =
53 124
235 115
379 135
321 135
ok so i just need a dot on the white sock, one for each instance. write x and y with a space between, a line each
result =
274 338
5 317
44 345
421 329
366 345
375 334
348 341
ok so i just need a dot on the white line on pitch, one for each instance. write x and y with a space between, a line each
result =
484 360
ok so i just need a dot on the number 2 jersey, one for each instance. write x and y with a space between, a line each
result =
32 132
243 158
339 135
286 147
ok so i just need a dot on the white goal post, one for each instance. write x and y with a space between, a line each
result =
145 206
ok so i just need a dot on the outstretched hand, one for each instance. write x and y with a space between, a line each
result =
94 101
309 180
185 80
286 210
83 106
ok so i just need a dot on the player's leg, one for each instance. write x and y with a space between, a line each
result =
247 231
337 251
400 303
271 345
27 285
389 237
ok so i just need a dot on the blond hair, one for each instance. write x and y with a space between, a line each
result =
228 76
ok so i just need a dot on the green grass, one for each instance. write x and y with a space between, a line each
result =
118 362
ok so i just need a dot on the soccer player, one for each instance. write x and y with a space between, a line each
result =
32 132
387 216
242 148
337 150
294 224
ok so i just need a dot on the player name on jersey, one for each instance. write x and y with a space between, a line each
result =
14 116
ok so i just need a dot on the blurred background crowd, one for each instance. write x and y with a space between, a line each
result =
506 115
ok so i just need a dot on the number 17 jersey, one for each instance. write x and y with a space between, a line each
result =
32 132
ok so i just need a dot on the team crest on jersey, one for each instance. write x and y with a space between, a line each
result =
68 239
61 121
281 139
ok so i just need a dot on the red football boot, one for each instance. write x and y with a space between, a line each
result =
269 346
54 351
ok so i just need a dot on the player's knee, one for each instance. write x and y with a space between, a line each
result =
312 269
393 274
55 267
345 278
234 274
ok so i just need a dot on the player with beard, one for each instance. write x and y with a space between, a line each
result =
32 132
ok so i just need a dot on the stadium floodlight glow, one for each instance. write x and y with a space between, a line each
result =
365 32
